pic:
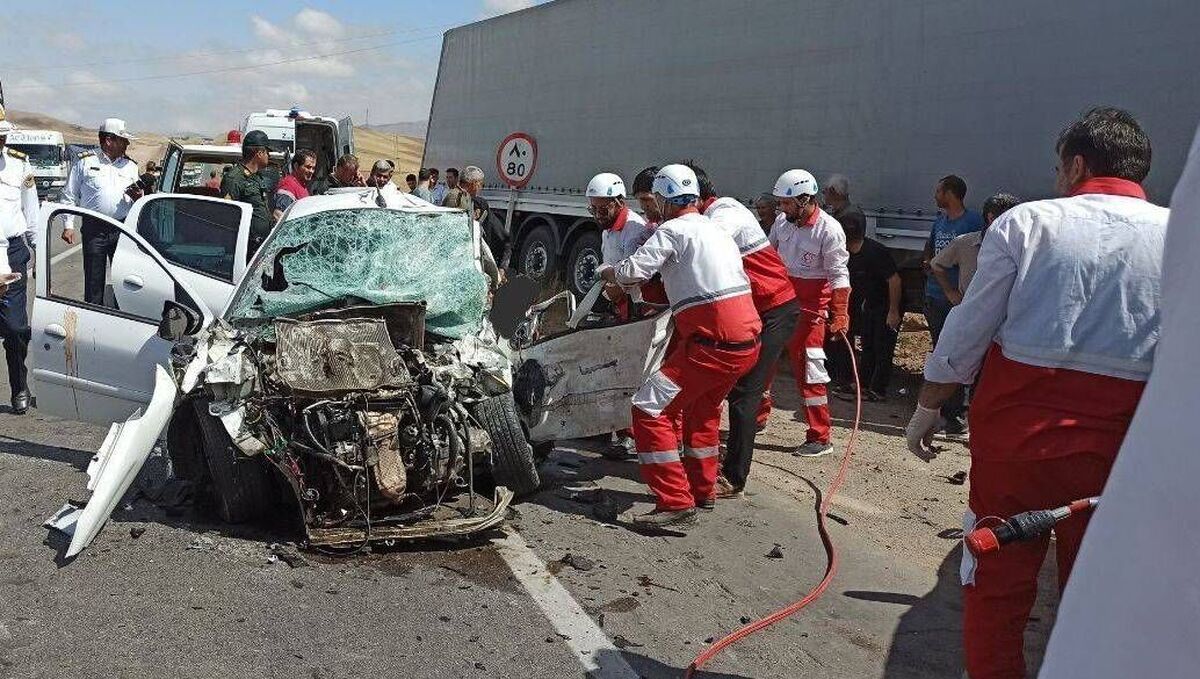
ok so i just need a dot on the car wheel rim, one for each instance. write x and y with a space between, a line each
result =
585 270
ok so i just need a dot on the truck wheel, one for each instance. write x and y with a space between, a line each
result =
241 486
512 456
538 258
585 258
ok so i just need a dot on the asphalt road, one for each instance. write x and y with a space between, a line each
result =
175 594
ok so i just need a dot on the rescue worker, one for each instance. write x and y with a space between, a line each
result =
245 183
622 232
775 300
813 246
294 186
715 343
1064 305
106 182
18 223
643 190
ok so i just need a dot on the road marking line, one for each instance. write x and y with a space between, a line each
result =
592 648
65 253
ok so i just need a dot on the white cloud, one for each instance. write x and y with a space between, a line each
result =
495 7
267 31
319 24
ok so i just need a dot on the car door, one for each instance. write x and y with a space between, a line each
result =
580 383
204 240
172 166
95 361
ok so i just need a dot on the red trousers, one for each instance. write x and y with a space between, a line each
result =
692 382
996 605
807 352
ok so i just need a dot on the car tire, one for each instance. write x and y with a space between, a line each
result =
513 463
185 449
241 486
586 256
538 256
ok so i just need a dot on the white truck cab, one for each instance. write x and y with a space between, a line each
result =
293 129
48 155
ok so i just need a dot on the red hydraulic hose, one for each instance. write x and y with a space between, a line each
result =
830 551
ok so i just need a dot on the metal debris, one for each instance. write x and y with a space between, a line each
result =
776 552
579 563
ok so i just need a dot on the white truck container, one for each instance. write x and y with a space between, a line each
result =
48 155
895 95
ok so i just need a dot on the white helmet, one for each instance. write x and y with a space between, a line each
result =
676 181
606 185
795 183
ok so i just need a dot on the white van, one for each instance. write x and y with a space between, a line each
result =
48 155
295 129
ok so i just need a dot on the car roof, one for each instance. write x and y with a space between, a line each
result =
363 198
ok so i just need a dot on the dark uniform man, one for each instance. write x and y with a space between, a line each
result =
18 221
245 183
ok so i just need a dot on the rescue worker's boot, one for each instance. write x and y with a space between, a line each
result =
814 449
665 519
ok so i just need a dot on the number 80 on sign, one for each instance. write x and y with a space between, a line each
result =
516 159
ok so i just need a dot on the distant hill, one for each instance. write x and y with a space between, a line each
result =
371 144
413 128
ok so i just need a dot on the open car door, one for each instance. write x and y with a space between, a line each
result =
579 382
345 136
205 241
95 346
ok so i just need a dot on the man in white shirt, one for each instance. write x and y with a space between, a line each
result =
106 182
18 221
1065 307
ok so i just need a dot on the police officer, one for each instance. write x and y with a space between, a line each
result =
246 183
106 182
18 219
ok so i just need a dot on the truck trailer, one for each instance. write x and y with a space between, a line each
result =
895 95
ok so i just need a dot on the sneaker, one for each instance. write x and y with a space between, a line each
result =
707 504
726 490
621 449
663 519
814 449
954 431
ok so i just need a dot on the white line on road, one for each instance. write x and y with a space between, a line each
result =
583 636
65 253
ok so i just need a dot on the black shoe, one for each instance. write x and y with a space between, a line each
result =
666 520
707 504
20 402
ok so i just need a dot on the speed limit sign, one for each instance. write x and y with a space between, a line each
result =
516 159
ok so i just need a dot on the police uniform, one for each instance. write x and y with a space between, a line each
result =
99 183
244 186
18 223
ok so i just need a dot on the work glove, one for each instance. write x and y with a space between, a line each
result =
919 433
840 306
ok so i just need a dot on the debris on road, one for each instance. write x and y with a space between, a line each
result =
957 479
136 532
287 555
776 552
579 563
202 543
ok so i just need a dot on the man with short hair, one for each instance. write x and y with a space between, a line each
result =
436 190
295 186
837 201
381 174
766 208
451 179
1061 322
422 189
490 224
953 220
963 251
410 180
105 182
214 182
345 173
18 226
456 195
836 195
813 246
651 291
715 342
245 183
875 315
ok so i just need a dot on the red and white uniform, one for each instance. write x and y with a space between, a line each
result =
816 258
715 341
769 283
624 237
1065 307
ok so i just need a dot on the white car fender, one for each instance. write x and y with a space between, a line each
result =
120 458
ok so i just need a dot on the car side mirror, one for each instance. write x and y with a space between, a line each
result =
178 321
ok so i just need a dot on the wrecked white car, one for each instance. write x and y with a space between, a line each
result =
353 377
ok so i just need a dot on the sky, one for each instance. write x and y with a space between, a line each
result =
83 61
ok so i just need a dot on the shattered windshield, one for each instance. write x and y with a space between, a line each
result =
381 256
